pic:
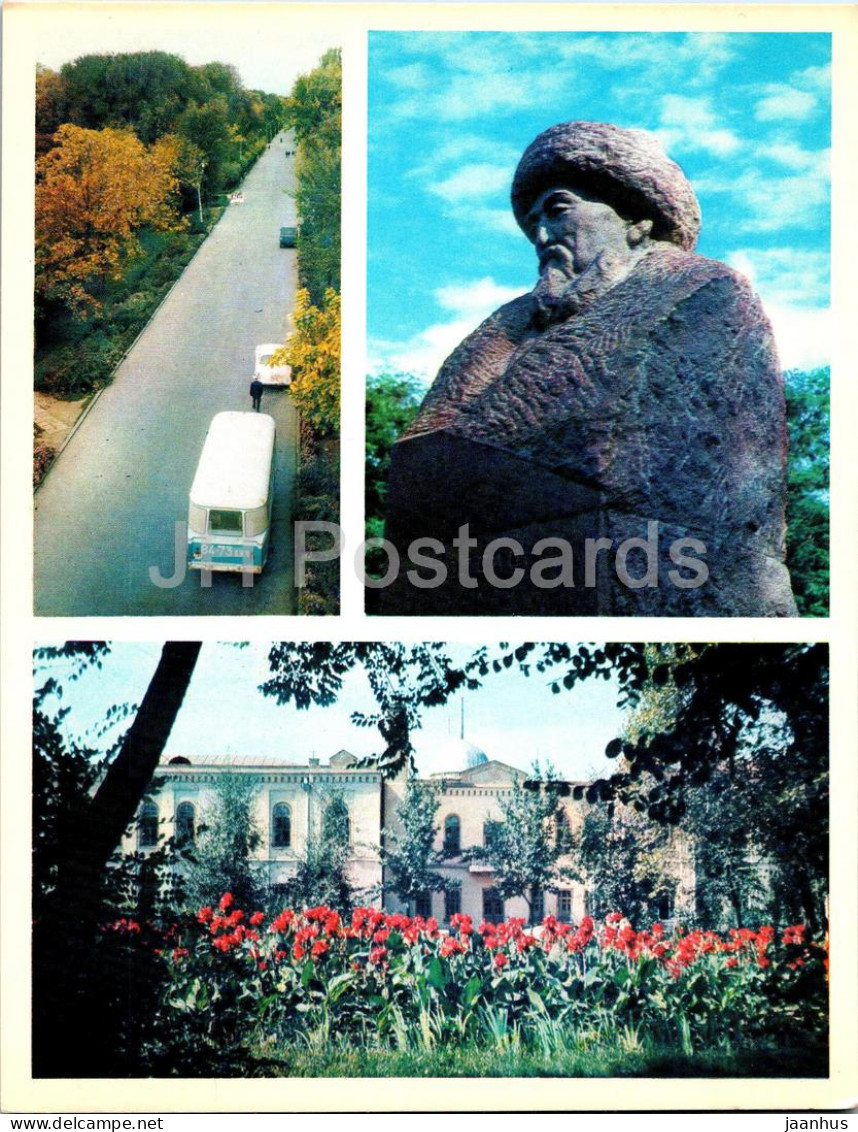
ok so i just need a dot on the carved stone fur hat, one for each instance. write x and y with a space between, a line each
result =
628 169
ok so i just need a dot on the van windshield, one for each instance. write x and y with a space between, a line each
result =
224 522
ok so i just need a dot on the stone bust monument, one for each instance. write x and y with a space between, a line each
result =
614 441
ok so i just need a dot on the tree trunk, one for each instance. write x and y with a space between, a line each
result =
66 987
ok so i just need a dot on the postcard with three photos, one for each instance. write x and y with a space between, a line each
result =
429 607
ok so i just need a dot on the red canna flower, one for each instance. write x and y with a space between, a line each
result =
501 960
226 901
282 922
451 946
257 918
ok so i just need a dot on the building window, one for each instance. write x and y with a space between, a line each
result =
281 826
537 906
562 832
490 833
452 834
452 902
185 823
147 826
492 906
423 905
336 823
665 909
564 905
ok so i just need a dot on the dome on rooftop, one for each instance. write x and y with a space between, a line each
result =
458 755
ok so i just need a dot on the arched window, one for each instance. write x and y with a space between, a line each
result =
147 826
281 826
185 823
492 906
336 823
452 834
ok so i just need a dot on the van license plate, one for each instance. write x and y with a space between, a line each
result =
227 552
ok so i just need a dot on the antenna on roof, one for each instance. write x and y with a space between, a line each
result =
462 725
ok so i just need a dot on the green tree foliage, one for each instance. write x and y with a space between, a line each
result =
322 869
761 806
222 859
808 420
315 103
63 776
626 860
524 848
207 127
404 679
392 401
315 113
81 808
410 859
153 94
314 110
144 90
149 123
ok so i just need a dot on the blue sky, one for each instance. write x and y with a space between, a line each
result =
513 718
747 116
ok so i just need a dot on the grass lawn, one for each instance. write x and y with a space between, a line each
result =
598 1062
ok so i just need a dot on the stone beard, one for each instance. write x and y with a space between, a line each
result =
560 293
636 385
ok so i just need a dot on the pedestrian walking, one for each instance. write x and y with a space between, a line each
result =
256 393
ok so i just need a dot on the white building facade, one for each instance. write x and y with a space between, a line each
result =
289 804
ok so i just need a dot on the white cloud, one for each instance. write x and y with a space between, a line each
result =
785 102
786 276
475 300
691 124
471 181
816 78
793 156
411 76
422 354
793 286
768 203
493 220
698 57
803 336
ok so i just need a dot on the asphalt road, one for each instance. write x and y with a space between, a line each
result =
107 510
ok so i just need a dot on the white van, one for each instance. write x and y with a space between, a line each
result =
229 515
264 369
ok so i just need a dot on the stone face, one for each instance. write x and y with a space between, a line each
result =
661 402
627 168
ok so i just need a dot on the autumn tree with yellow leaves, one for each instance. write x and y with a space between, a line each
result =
313 352
95 189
